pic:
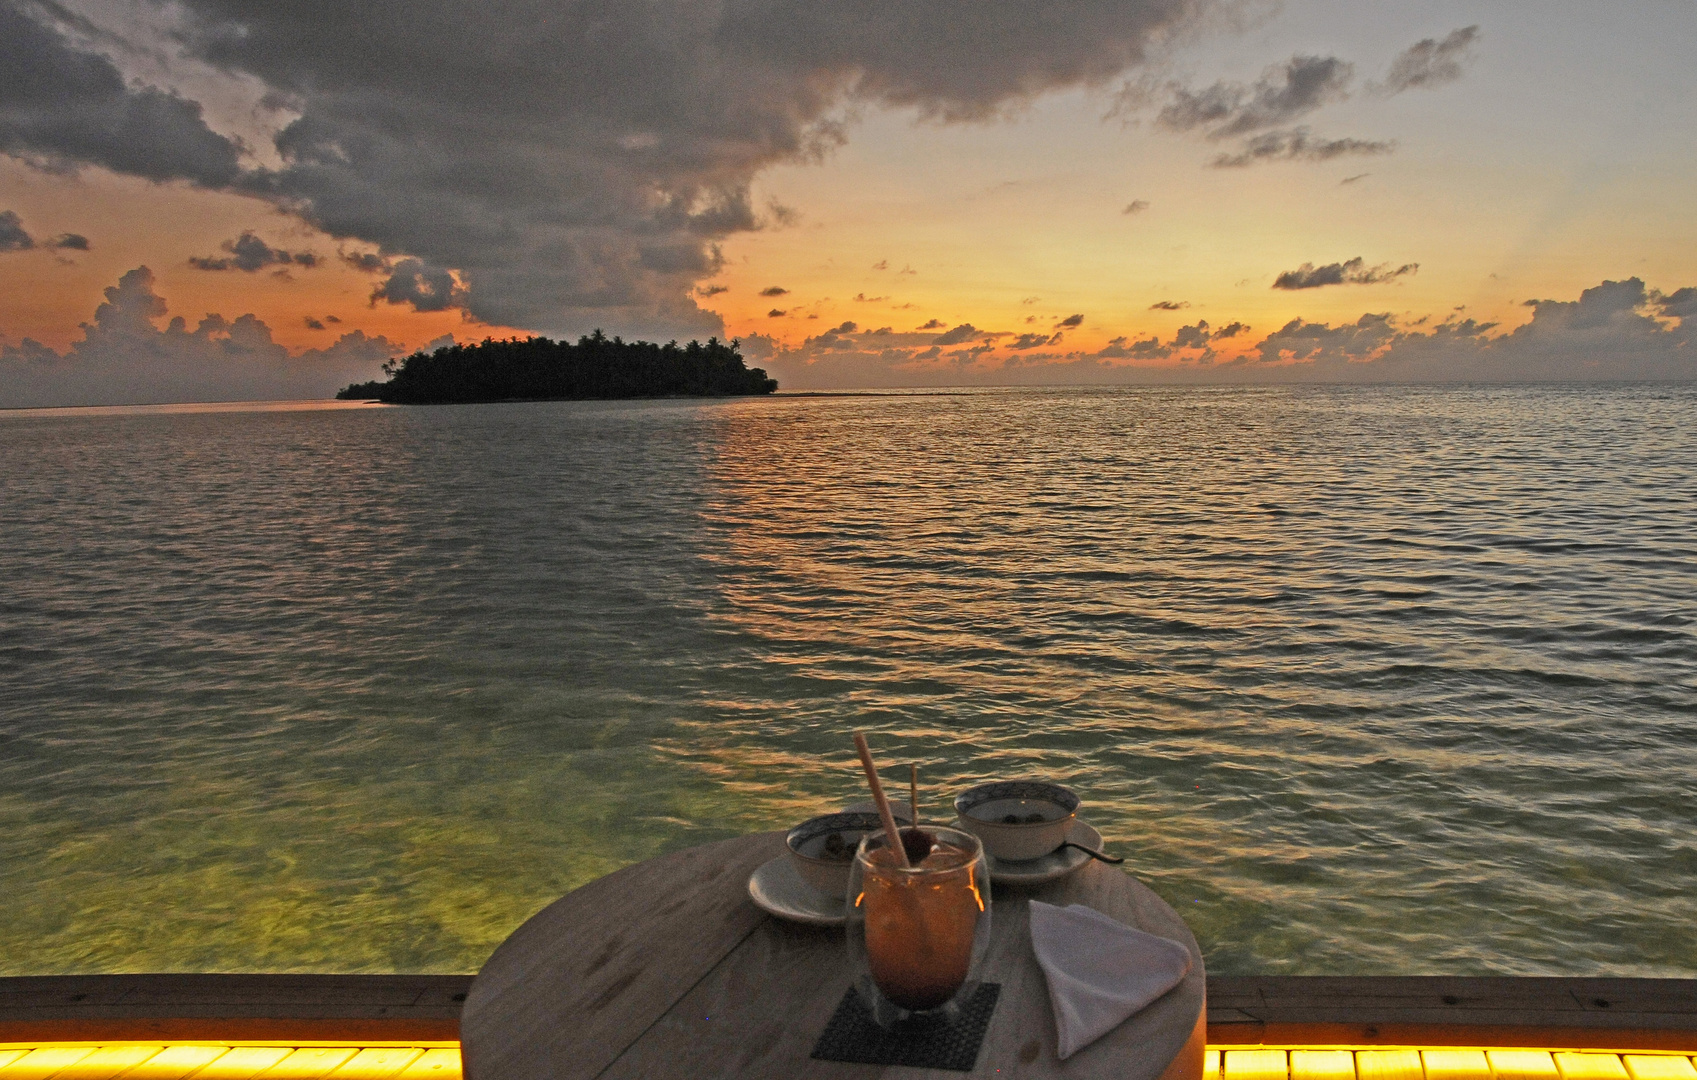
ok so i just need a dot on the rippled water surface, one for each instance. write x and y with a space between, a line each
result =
1361 680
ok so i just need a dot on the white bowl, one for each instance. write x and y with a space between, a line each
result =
1018 819
809 843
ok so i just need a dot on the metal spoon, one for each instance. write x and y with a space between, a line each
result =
1093 853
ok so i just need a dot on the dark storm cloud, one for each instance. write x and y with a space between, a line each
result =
367 261
1230 331
1297 144
1071 322
1282 94
61 107
774 290
712 290
12 234
1431 62
312 323
1354 272
70 242
249 253
576 165
426 288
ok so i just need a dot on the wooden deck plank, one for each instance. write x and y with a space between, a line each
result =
437 1064
1556 1001
176 1062
243 1063
1522 1065
1388 1065
1590 1067
1293 1010
108 1062
44 1061
379 1062
1256 1065
1322 1065
1456 1065
231 1008
310 1063
376 996
1658 1067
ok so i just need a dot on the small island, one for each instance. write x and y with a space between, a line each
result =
538 369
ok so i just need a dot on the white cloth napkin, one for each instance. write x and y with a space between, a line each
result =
1100 970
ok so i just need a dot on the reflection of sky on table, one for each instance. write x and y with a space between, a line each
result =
1360 681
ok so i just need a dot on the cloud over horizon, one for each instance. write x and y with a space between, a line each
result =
1616 330
123 359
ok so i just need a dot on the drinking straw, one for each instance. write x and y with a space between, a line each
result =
913 793
884 815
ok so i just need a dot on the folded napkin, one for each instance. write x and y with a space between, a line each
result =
1100 970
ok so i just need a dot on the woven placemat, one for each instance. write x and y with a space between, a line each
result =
920 1043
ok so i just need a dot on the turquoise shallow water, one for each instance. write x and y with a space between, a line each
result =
1368 680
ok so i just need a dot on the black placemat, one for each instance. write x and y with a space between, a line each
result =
920 1043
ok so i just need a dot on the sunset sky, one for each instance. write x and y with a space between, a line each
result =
869 195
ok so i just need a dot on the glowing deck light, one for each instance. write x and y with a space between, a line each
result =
439 1061
1456 1065
1256 1065
1322 1065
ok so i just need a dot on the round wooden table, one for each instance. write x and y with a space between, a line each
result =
666 969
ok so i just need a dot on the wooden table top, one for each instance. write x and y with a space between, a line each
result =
666 968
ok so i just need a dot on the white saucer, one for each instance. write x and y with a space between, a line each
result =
1056 864
777 889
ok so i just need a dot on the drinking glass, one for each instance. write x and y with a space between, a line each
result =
917 936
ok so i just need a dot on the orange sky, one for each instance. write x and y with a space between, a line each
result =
1558 156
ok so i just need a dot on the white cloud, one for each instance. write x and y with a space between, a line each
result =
124 358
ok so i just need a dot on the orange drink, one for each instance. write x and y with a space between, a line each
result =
919 929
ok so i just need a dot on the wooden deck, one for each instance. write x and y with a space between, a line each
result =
254 1008
406 1027
1620 1014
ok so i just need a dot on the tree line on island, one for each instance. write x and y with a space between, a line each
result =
537 369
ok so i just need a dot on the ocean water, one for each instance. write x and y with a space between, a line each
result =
1364 680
